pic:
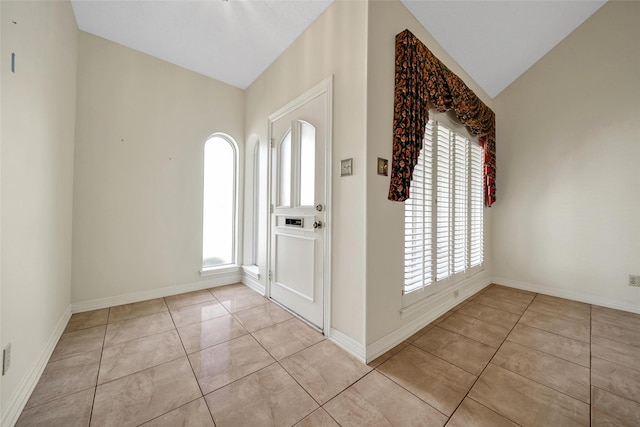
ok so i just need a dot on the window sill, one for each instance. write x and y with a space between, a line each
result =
214 271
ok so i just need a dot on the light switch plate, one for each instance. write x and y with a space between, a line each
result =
346 167
383 167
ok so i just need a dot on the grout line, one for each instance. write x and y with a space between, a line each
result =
490 360
409 391
590 364
461 305
95 389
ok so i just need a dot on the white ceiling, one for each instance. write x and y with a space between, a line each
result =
235 41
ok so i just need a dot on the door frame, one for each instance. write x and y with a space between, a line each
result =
325 87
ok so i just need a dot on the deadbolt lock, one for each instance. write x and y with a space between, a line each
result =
319 207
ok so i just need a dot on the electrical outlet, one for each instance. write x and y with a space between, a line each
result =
6 358
456 293
634 280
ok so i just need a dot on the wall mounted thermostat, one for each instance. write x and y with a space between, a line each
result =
346 167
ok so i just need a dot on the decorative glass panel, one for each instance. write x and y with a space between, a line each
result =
307 164
285 171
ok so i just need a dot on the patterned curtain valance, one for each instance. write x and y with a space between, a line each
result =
422 80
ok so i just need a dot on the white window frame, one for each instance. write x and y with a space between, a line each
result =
474 204
233 265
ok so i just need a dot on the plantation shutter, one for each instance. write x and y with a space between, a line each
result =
418 221
444 213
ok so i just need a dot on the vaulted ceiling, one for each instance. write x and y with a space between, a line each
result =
234 41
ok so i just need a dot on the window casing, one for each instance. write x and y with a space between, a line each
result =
444 218
219 224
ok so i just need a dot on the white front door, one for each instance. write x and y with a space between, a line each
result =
300 136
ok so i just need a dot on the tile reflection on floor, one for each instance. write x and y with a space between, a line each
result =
230 357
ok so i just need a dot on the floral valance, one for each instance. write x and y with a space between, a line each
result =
423 81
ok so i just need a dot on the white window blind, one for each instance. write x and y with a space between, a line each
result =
444 215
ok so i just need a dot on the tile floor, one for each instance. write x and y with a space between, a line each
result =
229 357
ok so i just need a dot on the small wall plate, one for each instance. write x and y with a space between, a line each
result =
383 167
346 167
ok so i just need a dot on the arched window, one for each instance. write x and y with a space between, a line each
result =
219 202
256 202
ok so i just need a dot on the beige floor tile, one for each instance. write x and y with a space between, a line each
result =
560 310
375 400
556 325
269 397
235 289
475 329
140 397
576 305
465 353
501 303
608 409
205 334
66 376
526 402
385 356
189 298
73 410
617 379
556 373
614 332
491 315
235 302
460 305
262 316
616 352
443 317
286 338
420 332
515 297
198 312
80 341
88 319
136 309
193 414
138 327
565 348
616 317
224 363
539 376
142 353
324 370
318 418
472 414
438 383
238 297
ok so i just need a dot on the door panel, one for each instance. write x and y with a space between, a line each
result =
299 138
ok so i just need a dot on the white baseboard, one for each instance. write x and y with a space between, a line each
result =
349 344
211 282
432 308
19 399
568 294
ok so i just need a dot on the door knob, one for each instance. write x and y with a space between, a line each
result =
317 224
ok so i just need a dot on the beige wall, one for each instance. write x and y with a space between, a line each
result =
38 114
335 44
566 219
141 127
385 219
